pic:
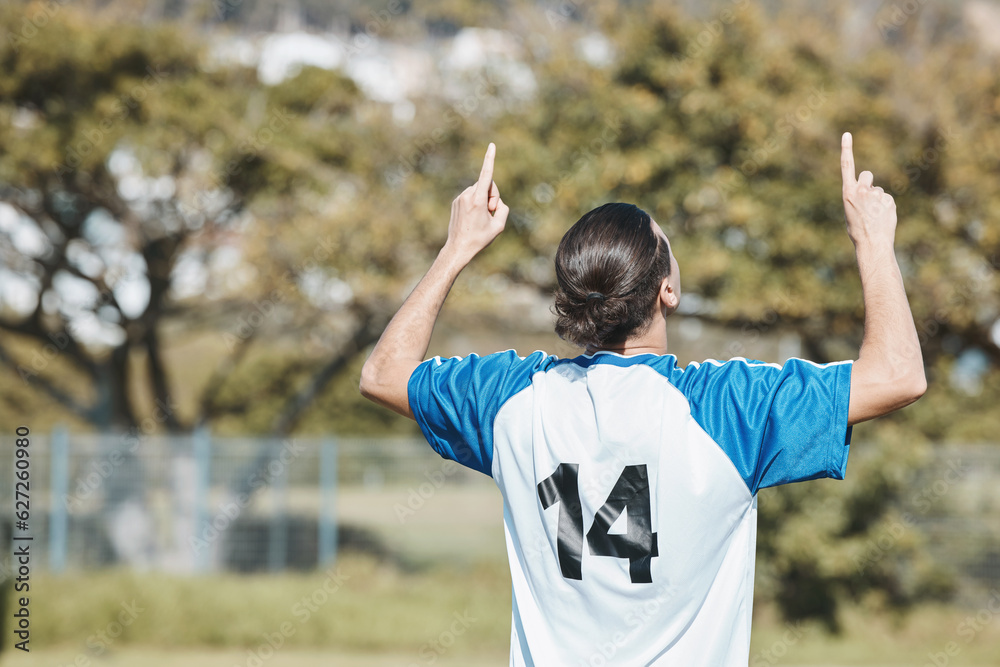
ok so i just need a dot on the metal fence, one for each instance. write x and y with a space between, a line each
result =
205 503
955 504
193 503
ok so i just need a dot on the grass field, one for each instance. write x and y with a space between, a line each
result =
436 593
871 641
220 658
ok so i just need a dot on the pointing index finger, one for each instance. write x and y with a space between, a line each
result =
486 175
847 158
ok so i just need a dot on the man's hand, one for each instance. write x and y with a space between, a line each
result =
889 372
870 211
478 215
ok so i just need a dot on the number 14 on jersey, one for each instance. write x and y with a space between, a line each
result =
631 491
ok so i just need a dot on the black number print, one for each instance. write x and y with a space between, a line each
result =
630 494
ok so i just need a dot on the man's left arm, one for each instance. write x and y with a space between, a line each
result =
478 215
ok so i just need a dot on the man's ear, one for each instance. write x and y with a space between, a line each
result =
668 297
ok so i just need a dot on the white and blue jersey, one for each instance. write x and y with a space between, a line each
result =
630 489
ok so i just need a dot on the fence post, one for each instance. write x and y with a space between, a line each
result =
58 491
328 503
201 443
277 547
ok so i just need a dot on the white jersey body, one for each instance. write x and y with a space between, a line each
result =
629 490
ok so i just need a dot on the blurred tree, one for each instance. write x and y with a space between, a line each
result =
127 180
93 238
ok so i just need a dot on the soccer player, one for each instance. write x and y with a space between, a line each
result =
630 483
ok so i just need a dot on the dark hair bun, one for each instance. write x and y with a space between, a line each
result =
609 266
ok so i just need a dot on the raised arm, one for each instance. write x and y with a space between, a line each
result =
478 215
889 372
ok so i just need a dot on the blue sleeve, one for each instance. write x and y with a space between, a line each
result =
455 401
778 424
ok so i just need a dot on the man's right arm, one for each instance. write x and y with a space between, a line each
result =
889 372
